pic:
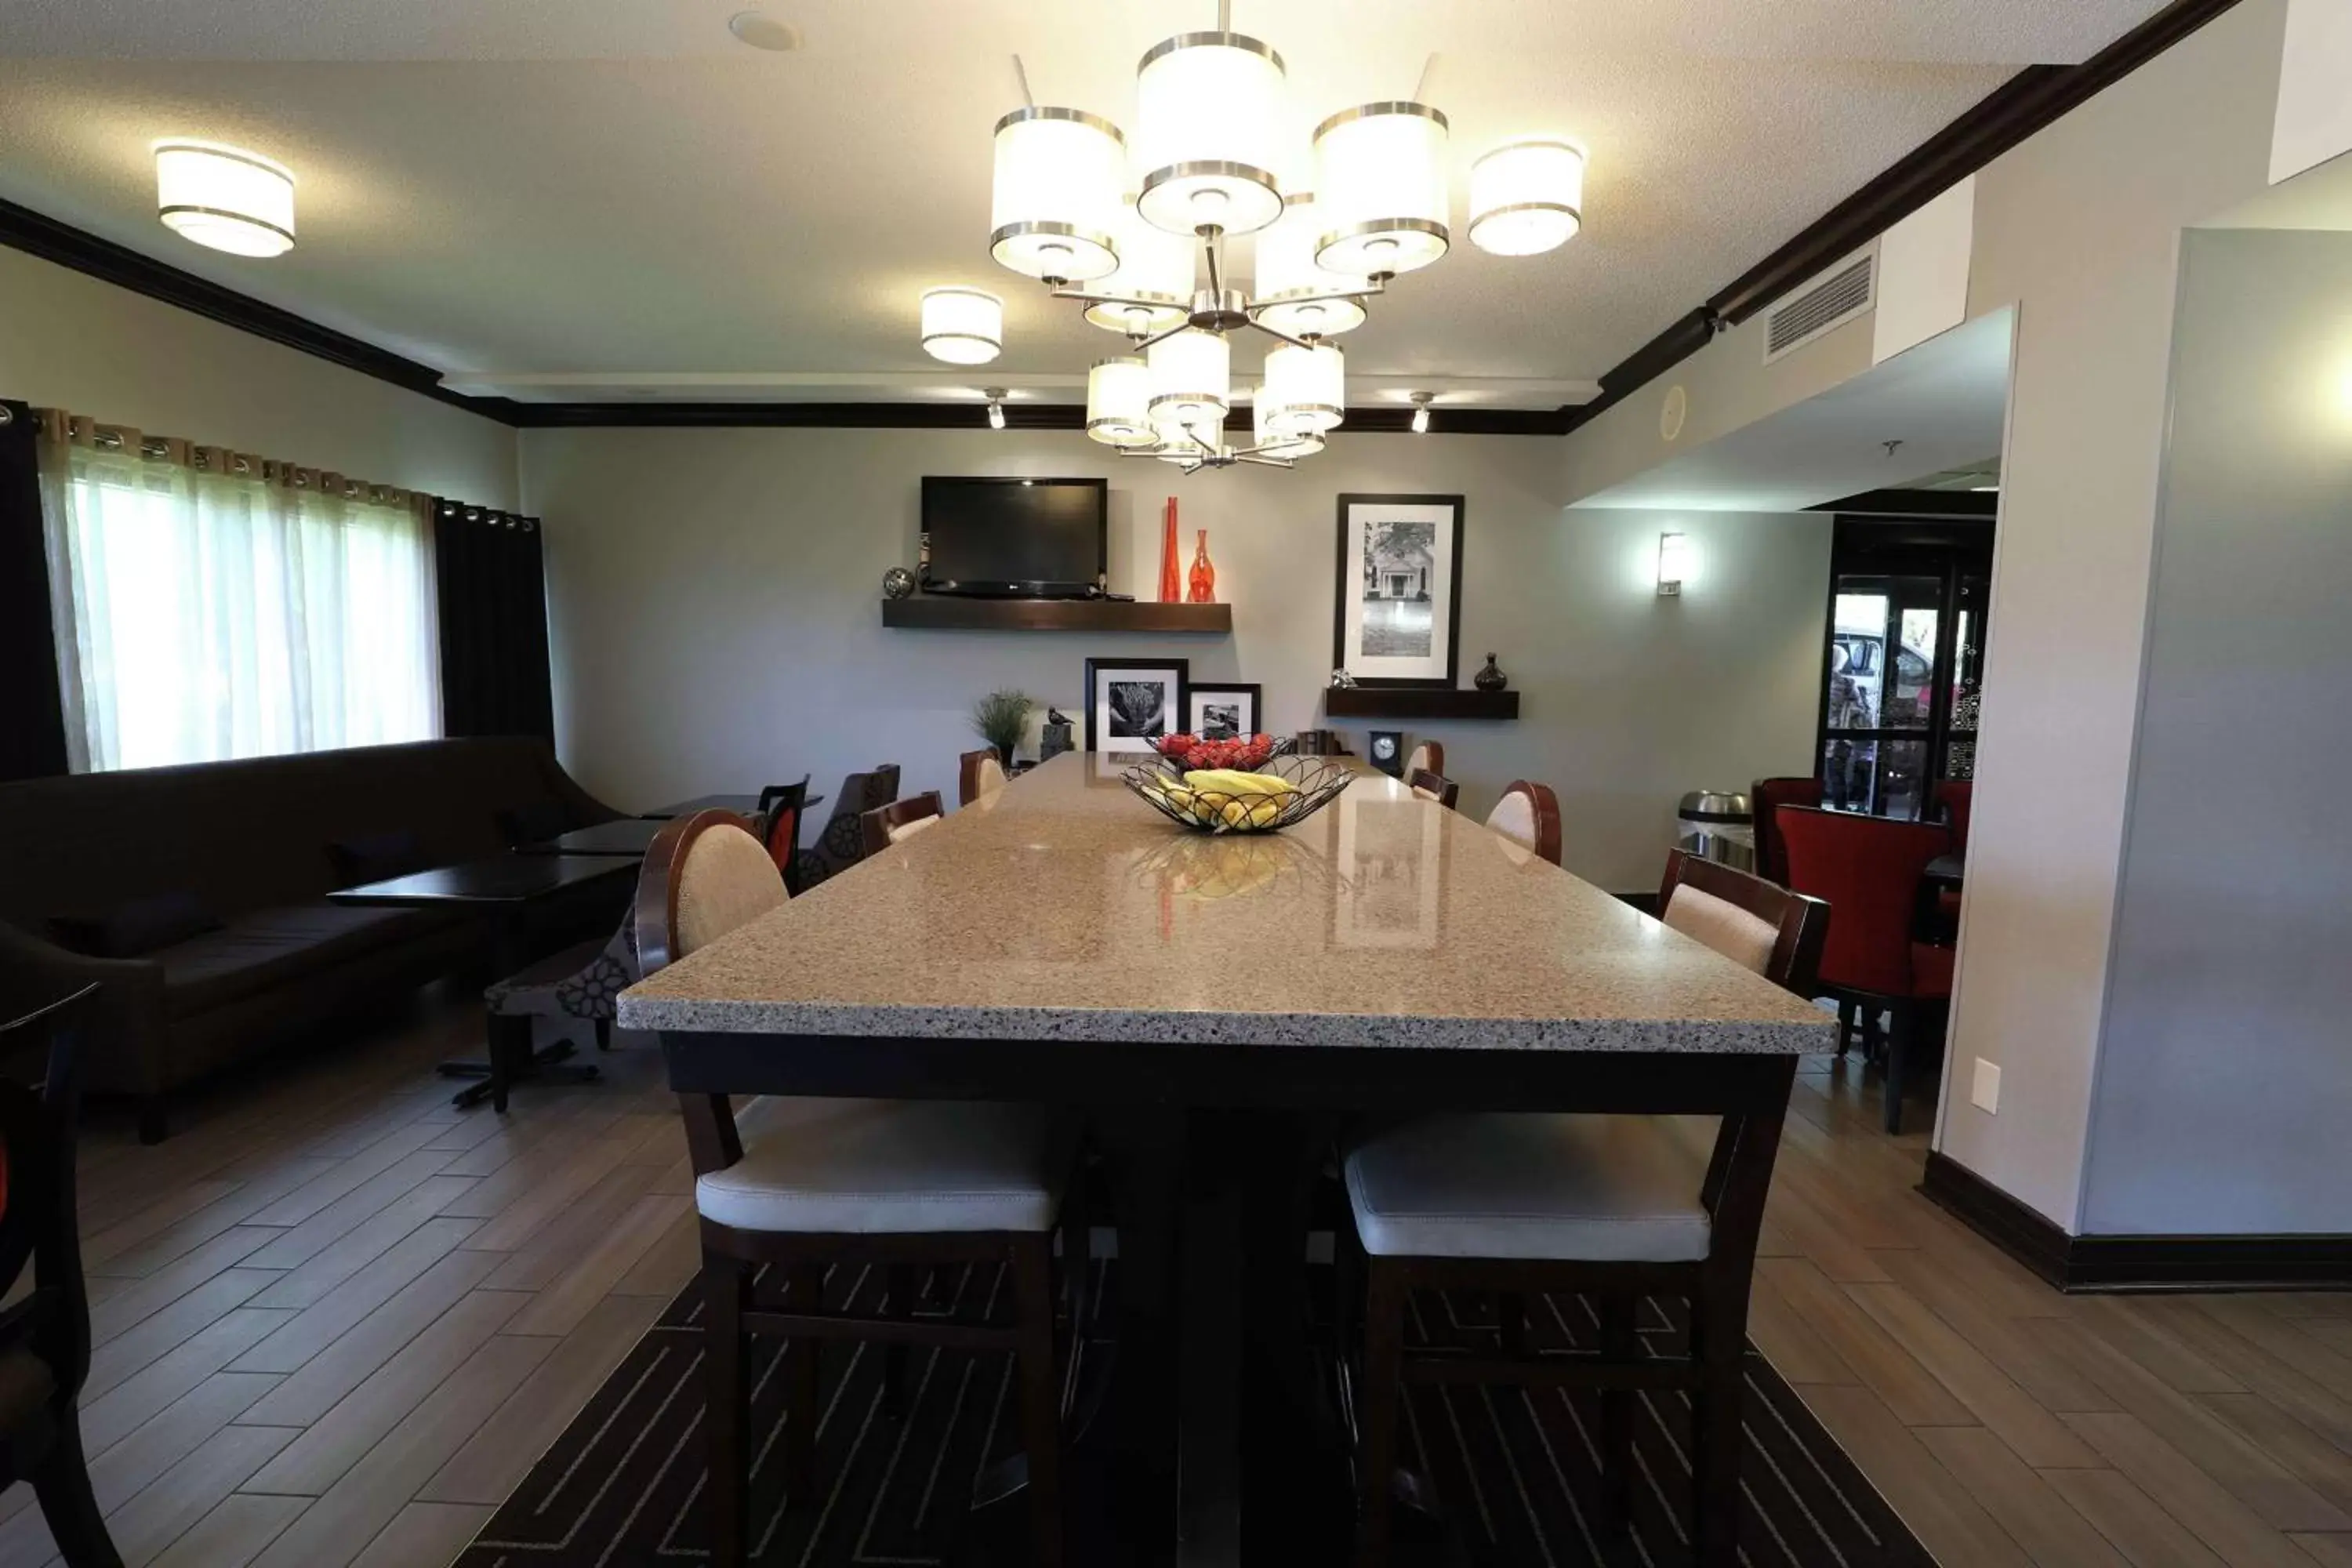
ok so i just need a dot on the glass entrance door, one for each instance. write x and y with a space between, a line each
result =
1901 676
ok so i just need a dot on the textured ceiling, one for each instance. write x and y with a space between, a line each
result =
576 200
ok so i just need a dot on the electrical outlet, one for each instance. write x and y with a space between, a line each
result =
1985 1093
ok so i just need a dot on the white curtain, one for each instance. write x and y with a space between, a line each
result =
206 615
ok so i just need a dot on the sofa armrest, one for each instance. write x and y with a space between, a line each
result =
131 1032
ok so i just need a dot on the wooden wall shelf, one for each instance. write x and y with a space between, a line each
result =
947 612
1418 702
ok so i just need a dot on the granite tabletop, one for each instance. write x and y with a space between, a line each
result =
1064 908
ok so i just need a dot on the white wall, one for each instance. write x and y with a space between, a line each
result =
68 341
2223 1090
2079 228
716 622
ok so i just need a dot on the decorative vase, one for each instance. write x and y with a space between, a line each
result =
1490 679
1204 575
1172 566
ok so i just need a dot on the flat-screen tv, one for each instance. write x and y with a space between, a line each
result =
1019 539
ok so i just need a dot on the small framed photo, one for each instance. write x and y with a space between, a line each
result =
1399 618
1134 703
1222 712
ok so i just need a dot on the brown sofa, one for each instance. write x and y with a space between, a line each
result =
196 894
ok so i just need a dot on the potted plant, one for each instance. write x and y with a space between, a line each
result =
999 719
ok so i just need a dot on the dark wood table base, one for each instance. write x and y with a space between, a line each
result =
492 1084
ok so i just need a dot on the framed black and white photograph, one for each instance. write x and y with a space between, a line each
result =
1133 702
1397 621
1221 712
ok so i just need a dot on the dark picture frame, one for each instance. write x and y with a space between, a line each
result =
1391 643
1175 676
1244 692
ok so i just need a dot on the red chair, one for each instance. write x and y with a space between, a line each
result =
1766 797
1867 869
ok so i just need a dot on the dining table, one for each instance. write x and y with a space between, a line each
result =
1223 1009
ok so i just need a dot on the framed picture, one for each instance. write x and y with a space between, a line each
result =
1399 618
1222 712
1131 702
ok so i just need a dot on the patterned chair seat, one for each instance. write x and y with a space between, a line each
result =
583 981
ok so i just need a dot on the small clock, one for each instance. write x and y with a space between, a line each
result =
1388 751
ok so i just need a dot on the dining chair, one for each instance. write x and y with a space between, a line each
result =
779 825
1765 797
1617 1208
907 1185
899 821
44 1335
1529 815
842 843
1433 786
584 981
978 773
1429 756
1868 869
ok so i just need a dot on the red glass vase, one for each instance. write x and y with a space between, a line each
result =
1205 573
1172 566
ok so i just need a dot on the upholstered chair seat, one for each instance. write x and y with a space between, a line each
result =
1606 1189
887 1167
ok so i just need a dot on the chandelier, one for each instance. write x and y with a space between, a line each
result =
1153 265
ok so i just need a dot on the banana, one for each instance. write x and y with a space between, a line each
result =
1232 781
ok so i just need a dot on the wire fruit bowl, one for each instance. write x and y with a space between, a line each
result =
1314 785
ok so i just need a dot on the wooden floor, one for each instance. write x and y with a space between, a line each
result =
337 1321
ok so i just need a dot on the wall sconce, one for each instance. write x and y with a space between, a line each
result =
1673 563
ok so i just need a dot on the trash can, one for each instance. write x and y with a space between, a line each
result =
1717 825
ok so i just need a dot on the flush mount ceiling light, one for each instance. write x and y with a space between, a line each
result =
1527 197
224 197
962 326
1136 235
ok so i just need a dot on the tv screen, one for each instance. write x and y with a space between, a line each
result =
1015 538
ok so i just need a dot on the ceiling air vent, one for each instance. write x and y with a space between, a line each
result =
1822 306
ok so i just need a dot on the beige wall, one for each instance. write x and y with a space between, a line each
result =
72 341
2079 228
715 607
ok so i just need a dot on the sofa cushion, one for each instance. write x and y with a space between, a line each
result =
136 927
378 856
269 947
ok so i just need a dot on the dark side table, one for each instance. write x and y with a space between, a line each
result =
506 894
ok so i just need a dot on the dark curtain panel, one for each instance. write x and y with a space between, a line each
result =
32 715
493 604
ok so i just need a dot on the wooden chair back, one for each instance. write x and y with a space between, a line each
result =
900 819
39 1227
781 807
978 773
1528 814
1428 757
1802 922
1433 786
662 880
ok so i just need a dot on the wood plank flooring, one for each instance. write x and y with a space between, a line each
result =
337 1321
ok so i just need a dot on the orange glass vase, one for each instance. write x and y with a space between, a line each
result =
1172 566
1205 573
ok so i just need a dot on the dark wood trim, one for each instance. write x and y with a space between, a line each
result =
1411 703
2092 1264
650 415
2029 102
952 611
21 228
1970 506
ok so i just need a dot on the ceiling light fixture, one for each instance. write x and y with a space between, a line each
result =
962 326
224 197
1211 131
1421 413
1527 197
995 395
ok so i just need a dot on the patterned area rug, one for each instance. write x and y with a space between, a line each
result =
1516 1469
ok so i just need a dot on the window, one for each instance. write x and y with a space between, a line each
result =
203 615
